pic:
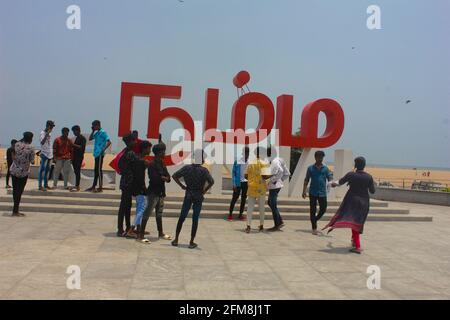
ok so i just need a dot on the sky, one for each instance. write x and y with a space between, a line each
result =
310 49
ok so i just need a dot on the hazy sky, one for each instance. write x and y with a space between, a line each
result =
294 47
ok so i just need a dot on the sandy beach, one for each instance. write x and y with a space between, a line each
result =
399 177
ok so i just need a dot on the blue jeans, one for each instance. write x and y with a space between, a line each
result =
43 170
196 205
273 204
141 206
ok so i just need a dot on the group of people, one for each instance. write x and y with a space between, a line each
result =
65 153
251 180
55 158
133 167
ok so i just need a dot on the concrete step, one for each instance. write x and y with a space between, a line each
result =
225 199
169 204
207 213
171 213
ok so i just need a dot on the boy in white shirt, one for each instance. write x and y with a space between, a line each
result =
280 173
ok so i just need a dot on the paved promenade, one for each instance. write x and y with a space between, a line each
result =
35 252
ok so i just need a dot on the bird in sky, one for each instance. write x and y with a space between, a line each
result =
408 101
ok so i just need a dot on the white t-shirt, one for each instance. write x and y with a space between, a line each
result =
46 148
243 170
280 173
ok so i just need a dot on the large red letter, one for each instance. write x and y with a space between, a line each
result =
156 93
266 115
309 123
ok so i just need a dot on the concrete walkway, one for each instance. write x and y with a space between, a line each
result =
413 257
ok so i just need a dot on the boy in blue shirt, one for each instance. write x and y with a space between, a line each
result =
101 143
319 174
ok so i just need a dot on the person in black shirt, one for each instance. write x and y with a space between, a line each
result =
79 147
126 166
158 176
139 190
195 177
10 154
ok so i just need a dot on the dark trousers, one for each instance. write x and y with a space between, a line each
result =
126 201
98 172
273 204
8 174
76 164
313 209
240 191
18 187
197 207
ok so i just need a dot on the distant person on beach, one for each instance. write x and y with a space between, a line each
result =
158 177
101 143
280 173
319 175
197 181
46 155
62 153
257 188
240 184
79 148
20 169
139 190
10 154
355 207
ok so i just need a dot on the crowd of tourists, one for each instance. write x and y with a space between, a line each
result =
145 181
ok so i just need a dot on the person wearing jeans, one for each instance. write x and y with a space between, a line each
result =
158 177
46 155
198 181
101 143
62 150
139 188
319 174
240 185
20 169
280 173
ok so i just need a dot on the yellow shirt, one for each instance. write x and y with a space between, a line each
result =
257 186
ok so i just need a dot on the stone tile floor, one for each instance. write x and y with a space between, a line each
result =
35 252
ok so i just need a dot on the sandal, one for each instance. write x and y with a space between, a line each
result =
175 243
247 230
144 241
165 237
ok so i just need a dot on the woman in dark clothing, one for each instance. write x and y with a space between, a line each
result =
355 207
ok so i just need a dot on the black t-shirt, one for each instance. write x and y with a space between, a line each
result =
77 152
9 156
156 184
139 178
